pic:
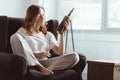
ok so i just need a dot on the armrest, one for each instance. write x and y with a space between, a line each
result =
79 67
12 64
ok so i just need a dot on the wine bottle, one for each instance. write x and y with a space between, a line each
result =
61 28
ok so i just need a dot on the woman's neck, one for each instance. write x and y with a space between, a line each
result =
38 34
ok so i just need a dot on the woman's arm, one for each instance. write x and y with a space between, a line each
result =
59 50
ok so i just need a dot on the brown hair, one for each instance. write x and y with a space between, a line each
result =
30 18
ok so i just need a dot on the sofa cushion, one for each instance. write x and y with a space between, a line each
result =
13 25
52 24
4 76
36 75
69 74
58 75
3 33
5 63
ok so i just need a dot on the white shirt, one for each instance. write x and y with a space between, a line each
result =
32 44
39 43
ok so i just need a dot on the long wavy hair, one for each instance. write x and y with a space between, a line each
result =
30 18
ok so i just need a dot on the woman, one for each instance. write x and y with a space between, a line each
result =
33 41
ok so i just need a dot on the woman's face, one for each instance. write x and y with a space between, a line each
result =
40 19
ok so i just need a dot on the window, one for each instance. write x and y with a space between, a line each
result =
86 15
91 14
113 13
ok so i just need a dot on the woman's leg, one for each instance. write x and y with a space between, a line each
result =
65 61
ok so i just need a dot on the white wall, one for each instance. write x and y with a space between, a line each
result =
13 8
100 46
17 8
97 45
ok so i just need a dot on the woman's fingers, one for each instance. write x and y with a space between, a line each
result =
46 54
66 24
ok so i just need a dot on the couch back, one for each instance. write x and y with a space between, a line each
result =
9 25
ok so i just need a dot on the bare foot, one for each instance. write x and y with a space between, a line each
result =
46 71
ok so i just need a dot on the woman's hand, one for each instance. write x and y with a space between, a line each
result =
42 55
66 23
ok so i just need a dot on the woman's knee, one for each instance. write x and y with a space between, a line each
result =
74 57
